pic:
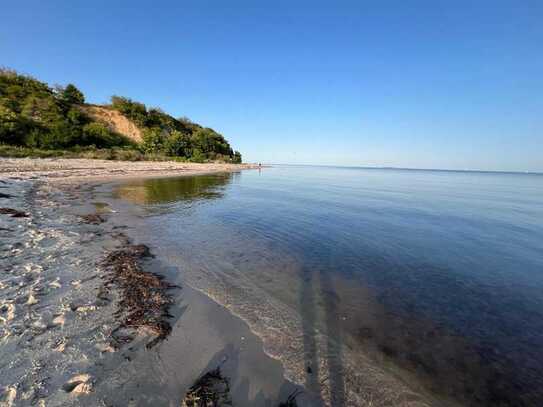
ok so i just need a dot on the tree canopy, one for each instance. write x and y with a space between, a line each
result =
166 135
72 95
34 115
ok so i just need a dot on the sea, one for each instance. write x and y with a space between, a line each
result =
370 285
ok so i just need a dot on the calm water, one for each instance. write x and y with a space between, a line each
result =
384 284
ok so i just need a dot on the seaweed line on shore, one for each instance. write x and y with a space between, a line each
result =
144 298
54 316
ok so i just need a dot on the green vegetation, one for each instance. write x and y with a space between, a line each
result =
37 120
163 134
114 153
36 116
171 189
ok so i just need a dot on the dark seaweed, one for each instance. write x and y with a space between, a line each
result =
144 298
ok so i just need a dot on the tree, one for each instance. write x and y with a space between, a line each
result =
209 141
177 144
72 95
197 156
8 126
133 110
76 117
153 141
99 135
59 135
236 158
33 114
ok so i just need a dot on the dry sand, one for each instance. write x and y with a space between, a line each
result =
78 169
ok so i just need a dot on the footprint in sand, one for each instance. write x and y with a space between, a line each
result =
7 312
58 320
4 333
59 345
55 284
31 299
105 347
82 308
33 268
103 297
37 328
8 395
79 384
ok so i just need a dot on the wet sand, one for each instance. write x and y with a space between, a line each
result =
57 323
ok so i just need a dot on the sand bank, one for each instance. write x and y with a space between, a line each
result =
86 170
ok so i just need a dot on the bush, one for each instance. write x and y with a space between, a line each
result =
153 141
74 152
133 110
128 155
99 135
177 144
76 117
236 158
72 95
34 137
58 135
197 156
10 131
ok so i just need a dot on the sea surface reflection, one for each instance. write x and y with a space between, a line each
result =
168 190
374 287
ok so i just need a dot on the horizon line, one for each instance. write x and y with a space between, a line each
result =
525 172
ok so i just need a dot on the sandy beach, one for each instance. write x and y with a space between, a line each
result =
86 169
71 332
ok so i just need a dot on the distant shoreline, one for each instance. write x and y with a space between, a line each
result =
412 169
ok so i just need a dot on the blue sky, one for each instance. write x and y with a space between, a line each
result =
428 84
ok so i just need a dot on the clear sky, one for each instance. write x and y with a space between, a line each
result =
428 84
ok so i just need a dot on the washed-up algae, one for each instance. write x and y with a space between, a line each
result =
14 213
210 390
93 219
213 390
144 298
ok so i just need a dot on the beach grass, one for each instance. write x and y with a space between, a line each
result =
118 154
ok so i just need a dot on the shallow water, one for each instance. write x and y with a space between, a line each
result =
391 287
